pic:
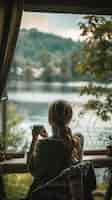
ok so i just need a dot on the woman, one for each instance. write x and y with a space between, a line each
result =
49 156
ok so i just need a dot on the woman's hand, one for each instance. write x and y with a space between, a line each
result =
38 130
43 133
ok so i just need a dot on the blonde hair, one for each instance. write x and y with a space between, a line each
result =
59 116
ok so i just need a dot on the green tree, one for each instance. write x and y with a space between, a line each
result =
45 58
28 74
97 61
14 136
97 51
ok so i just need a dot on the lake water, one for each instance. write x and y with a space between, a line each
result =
33 101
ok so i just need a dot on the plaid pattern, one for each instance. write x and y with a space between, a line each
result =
71 184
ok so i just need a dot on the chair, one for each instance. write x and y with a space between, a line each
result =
72 183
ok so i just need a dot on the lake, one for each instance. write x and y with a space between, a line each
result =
33 100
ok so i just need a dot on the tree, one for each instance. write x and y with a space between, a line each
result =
97 61
97 50
28 74
14 136
44 58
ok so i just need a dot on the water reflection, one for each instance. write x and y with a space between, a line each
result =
33 105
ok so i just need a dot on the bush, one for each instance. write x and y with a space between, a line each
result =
17 185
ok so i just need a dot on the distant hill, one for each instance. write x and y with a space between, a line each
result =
45 56
33 43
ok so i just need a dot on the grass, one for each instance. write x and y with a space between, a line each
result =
17 186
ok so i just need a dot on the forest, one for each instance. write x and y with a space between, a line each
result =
46 57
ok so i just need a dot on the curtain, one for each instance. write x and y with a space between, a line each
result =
10 18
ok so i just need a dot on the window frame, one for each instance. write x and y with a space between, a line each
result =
69 6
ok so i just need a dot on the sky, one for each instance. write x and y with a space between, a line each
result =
64 25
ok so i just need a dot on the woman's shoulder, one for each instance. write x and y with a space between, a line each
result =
51 143
50 140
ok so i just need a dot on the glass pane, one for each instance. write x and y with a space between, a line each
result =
43 70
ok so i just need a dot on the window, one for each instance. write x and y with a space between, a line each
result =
44 69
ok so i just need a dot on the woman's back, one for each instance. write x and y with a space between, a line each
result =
51 156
